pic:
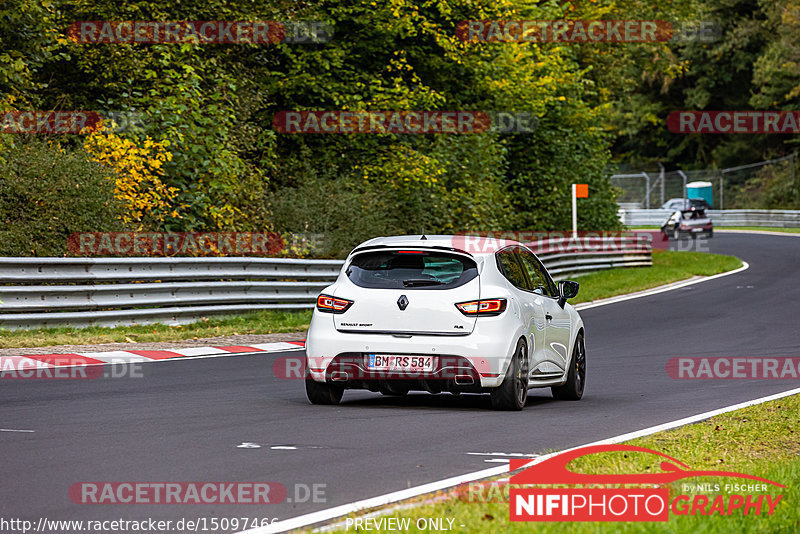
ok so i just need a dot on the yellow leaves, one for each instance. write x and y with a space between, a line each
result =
225 216
137 180
403 167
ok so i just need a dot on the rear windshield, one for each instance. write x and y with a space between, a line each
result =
411 270
694 214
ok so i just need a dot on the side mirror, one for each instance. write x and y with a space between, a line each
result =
567 289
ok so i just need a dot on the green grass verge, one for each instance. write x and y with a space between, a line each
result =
763 228
760 440
668 266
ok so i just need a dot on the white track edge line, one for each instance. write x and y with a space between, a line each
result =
661 289
389 498
758 232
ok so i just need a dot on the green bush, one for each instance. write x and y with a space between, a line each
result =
47 193
341 208
440 184
772 187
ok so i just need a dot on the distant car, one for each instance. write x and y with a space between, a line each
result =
685 203
691 222
421 313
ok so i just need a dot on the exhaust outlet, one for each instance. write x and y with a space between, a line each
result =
464 380
339 376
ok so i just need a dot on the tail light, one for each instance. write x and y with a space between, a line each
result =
329 304
486 307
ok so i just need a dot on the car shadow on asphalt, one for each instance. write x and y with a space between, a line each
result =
436 401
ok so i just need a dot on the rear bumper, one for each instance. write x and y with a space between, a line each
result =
484 354
449 373
689 231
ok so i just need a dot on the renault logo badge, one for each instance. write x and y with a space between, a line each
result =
402 302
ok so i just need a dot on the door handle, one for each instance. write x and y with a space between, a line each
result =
548 316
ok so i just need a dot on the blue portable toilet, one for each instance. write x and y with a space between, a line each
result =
700 190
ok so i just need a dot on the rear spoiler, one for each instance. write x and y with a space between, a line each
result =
435 247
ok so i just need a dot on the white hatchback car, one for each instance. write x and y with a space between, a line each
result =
445 313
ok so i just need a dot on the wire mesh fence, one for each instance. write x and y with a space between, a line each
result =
767 184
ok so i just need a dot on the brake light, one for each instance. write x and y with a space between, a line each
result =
329 304
411 252
486 307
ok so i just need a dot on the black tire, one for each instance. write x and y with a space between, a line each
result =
710 233
576 377
512 394
322 393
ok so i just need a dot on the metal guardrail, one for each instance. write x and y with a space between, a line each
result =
48 292
720 218
130 269
565 256
583 263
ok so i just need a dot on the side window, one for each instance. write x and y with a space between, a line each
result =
541 283
511 269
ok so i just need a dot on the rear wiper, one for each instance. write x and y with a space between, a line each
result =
422 282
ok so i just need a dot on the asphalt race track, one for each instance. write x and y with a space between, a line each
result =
184 420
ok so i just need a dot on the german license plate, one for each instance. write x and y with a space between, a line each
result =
399 362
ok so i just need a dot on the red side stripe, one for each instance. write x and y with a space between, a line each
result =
156 354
